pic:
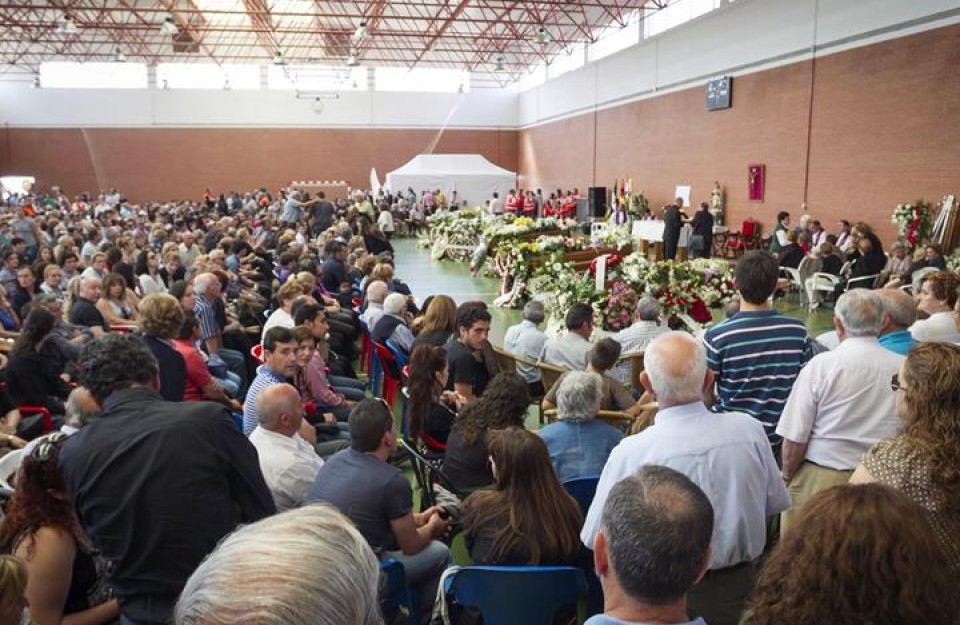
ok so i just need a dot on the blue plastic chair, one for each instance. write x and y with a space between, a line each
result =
517 595
583 490
395 593
400 356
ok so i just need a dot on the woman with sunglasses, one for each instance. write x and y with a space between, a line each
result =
924 461
41 528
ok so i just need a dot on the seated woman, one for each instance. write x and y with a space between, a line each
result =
439 322
898 268
527 519
200 385
116 308
312 381
25 290
432 410
33 377
936 298
503 404
148 275
42 529
53 282
160 321
579 444
869 541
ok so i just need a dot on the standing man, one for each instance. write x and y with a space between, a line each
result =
672 223
670 516
757 354
156 484
293 210
361 483
841 405
727 455
323 213
526 340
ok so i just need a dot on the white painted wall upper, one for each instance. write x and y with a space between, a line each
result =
739 38
23 106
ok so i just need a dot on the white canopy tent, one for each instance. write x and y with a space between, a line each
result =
473 177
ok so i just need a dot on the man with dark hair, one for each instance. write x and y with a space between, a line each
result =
469 369
377 497
333 272
672 518
156 484
757 353
322 213
571 350
279 365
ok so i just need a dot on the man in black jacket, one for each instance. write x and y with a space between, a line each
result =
156 484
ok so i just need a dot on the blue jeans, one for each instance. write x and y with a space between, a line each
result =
230 384
423 571
237 364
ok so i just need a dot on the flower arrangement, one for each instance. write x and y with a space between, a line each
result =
913 222
638 207
620 307
617 238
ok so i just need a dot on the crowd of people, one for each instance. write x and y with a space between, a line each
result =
200 362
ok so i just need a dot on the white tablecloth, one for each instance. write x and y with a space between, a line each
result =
652 230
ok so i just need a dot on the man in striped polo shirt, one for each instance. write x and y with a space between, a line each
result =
756 354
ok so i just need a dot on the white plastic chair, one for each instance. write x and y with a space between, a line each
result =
598 227
9 465
820 282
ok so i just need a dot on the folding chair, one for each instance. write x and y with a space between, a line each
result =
582 489
390 373
517 595
427 472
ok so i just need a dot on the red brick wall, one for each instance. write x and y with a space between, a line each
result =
884 129
156 164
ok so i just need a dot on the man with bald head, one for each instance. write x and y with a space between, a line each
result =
899 313
726 454
288 462
84 310
376 294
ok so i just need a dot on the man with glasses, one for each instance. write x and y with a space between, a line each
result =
840 405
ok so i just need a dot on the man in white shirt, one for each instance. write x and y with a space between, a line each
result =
635 338
526 340
189 251
841 404
726 454
572 349
289 463
496 204
376 293
283 316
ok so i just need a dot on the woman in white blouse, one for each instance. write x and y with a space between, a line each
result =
937 297
148 273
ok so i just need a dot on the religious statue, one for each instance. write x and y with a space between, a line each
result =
716 203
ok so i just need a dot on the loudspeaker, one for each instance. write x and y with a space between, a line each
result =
598 201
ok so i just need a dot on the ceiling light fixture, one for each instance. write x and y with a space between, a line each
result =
500 67
278 58
67 26
169 26
119 56
361 32
543 37
36 83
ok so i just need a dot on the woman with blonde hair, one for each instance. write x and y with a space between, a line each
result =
924 461
858 555
438 323
13 586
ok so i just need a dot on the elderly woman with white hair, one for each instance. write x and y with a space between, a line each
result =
579 445
308 566
394 324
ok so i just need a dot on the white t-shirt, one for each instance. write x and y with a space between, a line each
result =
385 221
